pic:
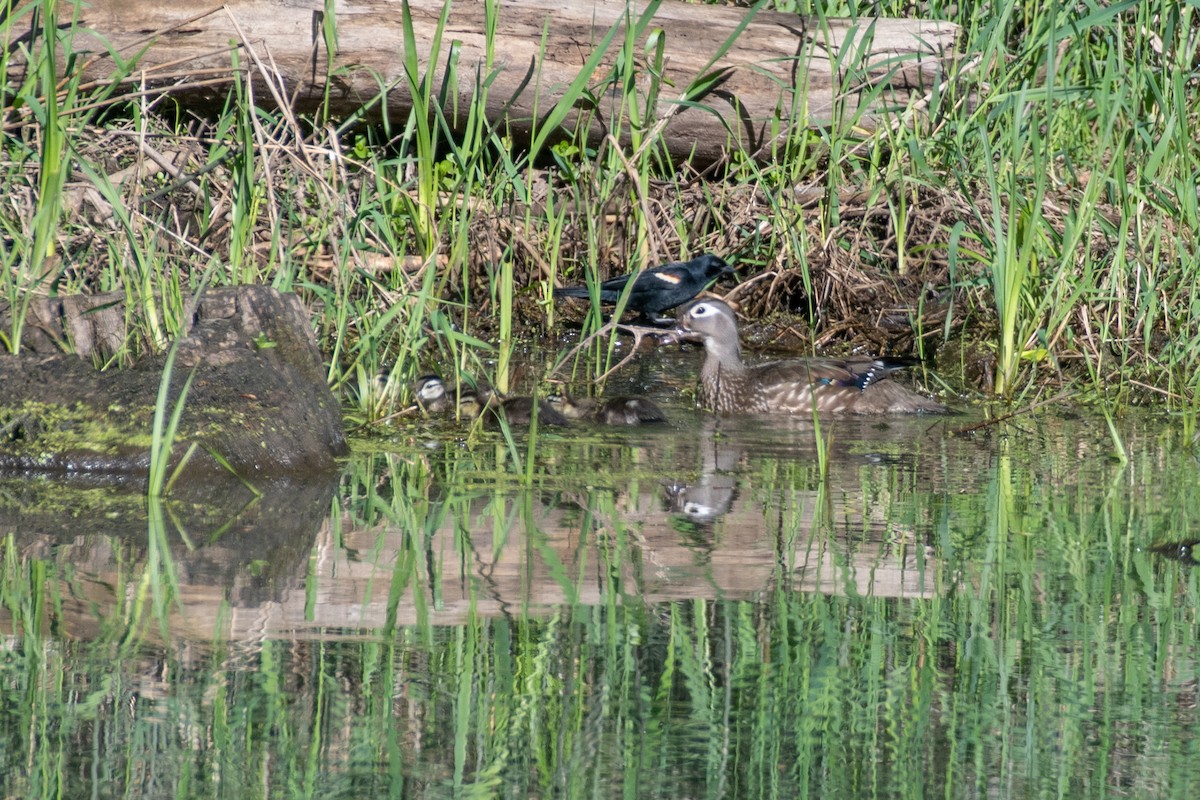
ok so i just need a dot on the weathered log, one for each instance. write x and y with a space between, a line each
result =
781 67
258 399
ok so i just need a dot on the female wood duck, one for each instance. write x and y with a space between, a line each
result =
609 411
828 386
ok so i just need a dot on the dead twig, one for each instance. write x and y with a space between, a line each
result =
987 423
638 332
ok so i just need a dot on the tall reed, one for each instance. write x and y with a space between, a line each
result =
37 268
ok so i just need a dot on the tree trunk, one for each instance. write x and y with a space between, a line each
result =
779 68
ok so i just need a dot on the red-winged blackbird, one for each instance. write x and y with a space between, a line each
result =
660 288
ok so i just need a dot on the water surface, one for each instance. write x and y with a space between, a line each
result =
707 609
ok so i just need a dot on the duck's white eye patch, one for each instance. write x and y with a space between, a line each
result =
431 390
699 510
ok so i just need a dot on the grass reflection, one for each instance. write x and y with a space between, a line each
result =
925 616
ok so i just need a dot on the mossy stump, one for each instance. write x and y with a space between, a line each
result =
258 401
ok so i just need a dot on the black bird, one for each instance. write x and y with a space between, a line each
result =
660 288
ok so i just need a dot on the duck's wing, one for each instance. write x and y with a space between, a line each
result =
789 387
868 371
646 410
834 386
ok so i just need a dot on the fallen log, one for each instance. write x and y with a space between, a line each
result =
778 69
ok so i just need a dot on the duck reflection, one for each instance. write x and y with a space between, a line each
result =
711 494
732 452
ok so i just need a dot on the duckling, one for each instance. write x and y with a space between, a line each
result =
516 410
431 395
609 411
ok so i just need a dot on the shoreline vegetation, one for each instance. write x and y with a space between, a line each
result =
1031 233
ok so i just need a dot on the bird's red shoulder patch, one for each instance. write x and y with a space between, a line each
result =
669 277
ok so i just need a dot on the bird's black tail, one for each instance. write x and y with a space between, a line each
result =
572 291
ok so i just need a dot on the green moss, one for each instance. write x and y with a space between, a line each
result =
35 427
60 500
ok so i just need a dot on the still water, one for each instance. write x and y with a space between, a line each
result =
706 609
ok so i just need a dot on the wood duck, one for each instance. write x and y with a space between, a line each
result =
432 398
487 403
660 288
832 386
431 395
609 411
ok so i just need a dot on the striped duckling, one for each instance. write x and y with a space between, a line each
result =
609 411
431 395
488 403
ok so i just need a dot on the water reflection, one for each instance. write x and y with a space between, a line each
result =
716 509
225 542
624 613
707 497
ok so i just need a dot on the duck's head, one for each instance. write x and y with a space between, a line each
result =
714 323
568 406
430 393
